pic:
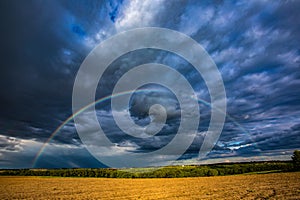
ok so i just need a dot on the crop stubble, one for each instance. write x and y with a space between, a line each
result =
263 186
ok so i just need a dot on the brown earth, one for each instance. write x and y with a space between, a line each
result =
263 186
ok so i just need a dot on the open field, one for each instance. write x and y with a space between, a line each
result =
259 186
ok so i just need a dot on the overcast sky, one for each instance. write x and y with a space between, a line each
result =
255 45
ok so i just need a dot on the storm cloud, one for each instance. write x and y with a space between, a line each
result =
255 46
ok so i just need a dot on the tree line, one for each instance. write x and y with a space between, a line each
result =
166 172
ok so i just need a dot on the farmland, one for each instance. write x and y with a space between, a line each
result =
257 186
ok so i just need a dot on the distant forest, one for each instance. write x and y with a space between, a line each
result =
164 172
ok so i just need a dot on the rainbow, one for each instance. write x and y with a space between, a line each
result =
71 117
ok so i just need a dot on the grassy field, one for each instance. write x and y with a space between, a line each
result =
259 186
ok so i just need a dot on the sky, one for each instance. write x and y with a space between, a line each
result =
254 44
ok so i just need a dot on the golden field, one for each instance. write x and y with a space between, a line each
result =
260 186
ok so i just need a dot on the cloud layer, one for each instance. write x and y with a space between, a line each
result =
254 44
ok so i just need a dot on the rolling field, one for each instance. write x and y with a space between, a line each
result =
260 186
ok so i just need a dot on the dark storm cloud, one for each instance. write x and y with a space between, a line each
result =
43 45
285 139
254 44
34 88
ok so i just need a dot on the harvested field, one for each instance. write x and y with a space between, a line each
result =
260 186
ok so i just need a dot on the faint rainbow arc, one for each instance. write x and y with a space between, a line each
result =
71 117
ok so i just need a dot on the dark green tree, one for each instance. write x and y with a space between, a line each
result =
296 159
212 172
